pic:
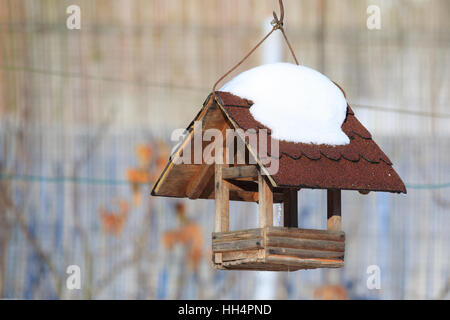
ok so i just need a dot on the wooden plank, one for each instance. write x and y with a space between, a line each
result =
265 210
302 263
302 253
238 245
258 266
240 255
306 233
334 210
290 208
199 182
307 244
237 235
240 172
221 217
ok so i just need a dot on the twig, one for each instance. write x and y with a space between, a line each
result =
34 243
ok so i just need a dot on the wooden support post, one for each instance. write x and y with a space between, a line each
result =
290 208
222 196
265 213
334 210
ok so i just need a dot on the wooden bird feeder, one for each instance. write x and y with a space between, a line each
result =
359 165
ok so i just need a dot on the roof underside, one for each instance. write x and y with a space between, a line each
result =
360 165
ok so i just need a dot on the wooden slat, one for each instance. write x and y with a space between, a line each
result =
306 233
334 210
302 253
237 235
304 263
307 244
240 255
237 245
221 217
265 212
199 182
290 211
257 266
240 172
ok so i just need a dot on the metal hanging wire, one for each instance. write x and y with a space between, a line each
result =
277 24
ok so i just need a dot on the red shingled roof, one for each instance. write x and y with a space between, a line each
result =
360 165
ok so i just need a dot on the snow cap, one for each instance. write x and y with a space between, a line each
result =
297 103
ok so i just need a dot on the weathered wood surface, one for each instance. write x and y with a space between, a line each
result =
265 208
237 245
240 172
307 244
278 249
306 233
254 265
237 235
307 263
303 253
221 217
244 254
199 182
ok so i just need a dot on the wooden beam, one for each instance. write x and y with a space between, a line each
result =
237 245
237 195
290 208
306 244
334 210
311 234
240 172
199 182
265 213
237 235
305 253
222 197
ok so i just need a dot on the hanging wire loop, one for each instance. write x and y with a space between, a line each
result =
276 24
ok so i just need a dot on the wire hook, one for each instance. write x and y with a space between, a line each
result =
278 23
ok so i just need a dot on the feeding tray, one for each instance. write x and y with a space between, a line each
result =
278 249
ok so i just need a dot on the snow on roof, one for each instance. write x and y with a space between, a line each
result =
297 103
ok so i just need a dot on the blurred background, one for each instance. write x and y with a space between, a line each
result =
85 123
